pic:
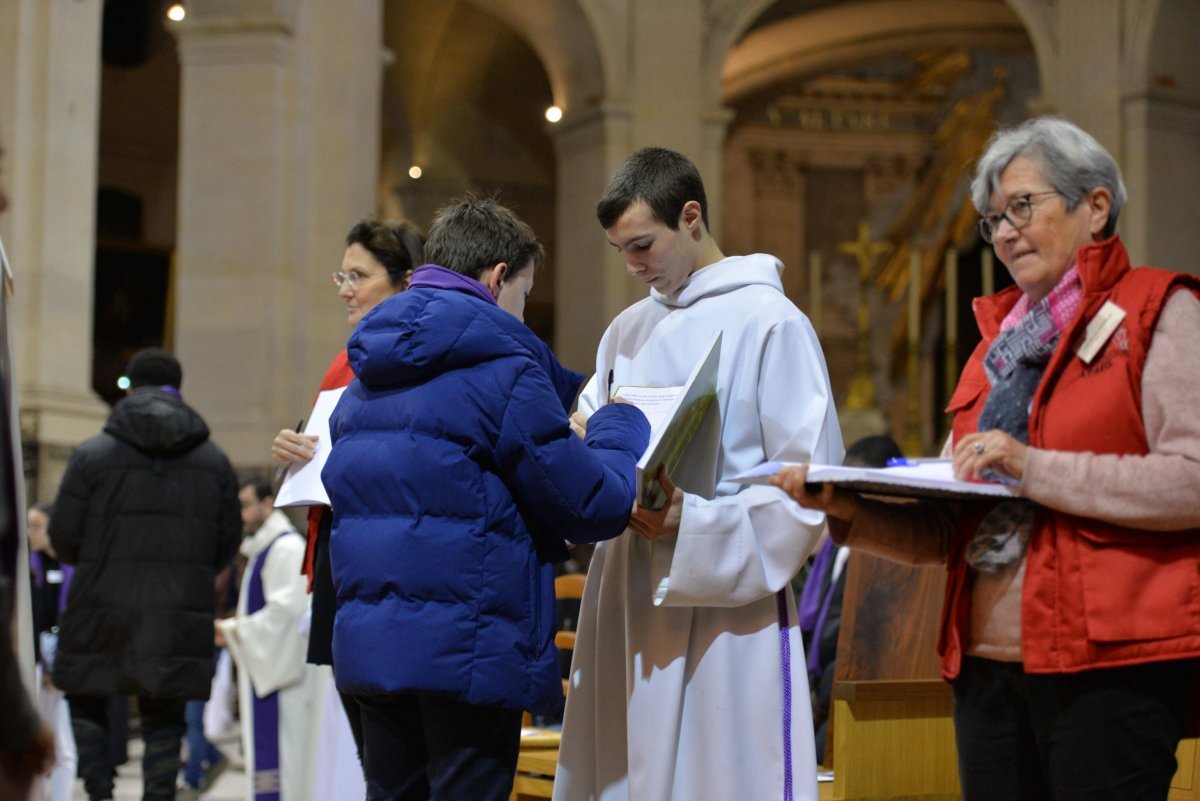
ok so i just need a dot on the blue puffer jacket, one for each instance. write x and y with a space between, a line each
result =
454 478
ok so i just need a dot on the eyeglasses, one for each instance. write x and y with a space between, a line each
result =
1018 212
352 278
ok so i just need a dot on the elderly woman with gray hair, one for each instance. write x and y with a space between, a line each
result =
1071 626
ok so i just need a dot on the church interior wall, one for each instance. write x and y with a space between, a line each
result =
460 88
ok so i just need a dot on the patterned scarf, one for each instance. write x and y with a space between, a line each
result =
1014 365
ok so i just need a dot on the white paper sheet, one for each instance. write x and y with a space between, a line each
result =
302 486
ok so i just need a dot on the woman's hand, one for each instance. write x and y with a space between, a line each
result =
289 447
989 450
828 499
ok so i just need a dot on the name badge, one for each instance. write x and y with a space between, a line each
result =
54 577
1099 329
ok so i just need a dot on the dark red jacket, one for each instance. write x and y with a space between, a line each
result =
339 374
1095 594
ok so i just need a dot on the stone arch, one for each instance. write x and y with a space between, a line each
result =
1160 56
846 33
1040 27
561 32
727 22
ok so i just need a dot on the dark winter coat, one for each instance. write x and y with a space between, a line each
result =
455 479
148 513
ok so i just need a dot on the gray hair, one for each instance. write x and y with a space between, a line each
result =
1071 160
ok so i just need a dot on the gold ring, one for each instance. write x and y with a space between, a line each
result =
979 447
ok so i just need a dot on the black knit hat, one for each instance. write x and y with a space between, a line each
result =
154 367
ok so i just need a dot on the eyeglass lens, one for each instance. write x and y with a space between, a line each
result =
1018 212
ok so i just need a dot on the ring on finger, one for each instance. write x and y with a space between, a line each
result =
979 447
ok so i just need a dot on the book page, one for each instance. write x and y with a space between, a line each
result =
675 438
655 402
932 478
302 486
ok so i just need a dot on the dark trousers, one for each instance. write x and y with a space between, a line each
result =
320 633
423 748
162 732
1093 736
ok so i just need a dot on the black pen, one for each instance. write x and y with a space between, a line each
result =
279 471
610 385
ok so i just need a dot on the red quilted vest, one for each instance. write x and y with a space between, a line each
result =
1095 594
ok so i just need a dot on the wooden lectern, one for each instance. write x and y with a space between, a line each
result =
892 735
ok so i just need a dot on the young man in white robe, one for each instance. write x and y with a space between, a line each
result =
276 686
688 679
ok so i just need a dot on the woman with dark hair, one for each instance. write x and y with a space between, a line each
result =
379 260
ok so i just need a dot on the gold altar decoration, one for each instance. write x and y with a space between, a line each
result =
865 251
939 213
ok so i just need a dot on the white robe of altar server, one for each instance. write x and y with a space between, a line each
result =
270 652
676 687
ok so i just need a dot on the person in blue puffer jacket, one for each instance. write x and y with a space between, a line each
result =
454 479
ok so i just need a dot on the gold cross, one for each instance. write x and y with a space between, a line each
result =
862 385
864 250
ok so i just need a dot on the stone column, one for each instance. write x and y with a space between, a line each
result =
591 284
279 154
655 97
1087 84
1159 223
49 127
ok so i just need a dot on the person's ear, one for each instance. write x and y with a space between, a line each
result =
493 278
691 218
1099 205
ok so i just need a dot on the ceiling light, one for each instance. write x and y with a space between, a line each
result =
414 172
176 12
553 114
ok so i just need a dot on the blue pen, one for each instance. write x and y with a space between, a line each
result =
900 461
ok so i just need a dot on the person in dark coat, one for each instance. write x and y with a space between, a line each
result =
148 513
455 478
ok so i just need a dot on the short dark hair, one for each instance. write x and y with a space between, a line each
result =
262 487
396 244
662 178
873 451
154 367
475 233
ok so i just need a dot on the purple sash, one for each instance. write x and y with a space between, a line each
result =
785 650
814 605
266 709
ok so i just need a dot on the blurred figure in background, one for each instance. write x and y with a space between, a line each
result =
49 583
275 684
26 743
148 513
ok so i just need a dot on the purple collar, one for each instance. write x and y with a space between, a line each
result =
441 278
167 388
